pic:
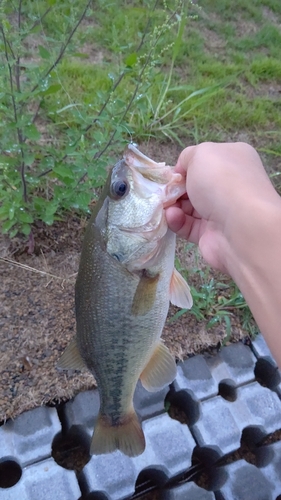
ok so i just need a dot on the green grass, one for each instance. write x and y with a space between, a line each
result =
214 301
265 69
236 105
214 74
231 51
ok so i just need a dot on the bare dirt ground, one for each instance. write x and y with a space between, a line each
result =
37 313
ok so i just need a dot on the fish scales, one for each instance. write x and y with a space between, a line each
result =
124 341
125 281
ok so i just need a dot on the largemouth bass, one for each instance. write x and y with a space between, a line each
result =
125 281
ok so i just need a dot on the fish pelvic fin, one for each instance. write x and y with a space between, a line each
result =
71 358
160 371
127 435
180 292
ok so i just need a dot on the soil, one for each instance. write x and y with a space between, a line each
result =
37 312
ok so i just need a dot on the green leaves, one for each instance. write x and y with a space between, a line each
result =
131 60
63 171
24 216
31 132
48 214
44 53
81 201
52 89
15 216
72 99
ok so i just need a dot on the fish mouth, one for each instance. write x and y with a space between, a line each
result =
150 177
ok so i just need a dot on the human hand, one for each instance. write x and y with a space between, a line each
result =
233 213
225 183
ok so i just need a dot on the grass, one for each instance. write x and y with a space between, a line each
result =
215 75
216 300
230 51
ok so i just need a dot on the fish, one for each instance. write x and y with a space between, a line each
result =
125 281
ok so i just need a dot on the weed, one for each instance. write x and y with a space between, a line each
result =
42 177
214 301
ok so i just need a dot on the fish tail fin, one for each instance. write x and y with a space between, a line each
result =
126 436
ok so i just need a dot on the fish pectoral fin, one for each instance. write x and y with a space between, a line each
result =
71 358
126 435
160 371
145 294
180 292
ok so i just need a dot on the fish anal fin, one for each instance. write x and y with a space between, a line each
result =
160 371
145 294
71 358
126 436
180 292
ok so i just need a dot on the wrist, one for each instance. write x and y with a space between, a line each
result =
253 259
253 234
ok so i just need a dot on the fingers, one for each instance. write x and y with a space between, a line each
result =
184 160
175 218
185 226
186 206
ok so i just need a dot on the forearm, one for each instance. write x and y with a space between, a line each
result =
253 259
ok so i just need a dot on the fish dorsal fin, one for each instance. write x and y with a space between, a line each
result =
160 371
145 294
180 292
71 358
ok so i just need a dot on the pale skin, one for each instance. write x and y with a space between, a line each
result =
233 213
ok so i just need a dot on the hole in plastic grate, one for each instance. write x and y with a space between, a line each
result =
208 477
148 483
253 435
267 373
248 450
10 473
183 407
71 450
227 390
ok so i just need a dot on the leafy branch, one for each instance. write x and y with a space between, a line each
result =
109 96
148 58
16 76
19 131
64 46
60 143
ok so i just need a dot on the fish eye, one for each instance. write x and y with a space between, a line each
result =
119 188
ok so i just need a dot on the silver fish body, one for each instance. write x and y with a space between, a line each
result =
125 281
